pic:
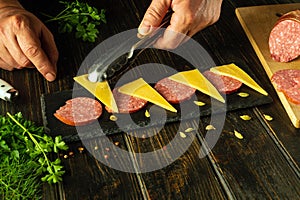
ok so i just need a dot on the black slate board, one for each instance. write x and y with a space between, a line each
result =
186 110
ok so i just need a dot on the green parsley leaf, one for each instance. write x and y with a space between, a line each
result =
81 18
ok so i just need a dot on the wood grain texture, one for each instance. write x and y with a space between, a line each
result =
253 159
183 172
90 178
258 22
264 165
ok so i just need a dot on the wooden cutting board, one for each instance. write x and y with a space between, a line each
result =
257 22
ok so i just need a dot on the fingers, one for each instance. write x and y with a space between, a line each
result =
49 46
5 66
26 42
7 58
153 16
11 60
179 24
30 45
175 33
10 51
188 18
13 55
170 40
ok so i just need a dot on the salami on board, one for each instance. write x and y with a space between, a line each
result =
288 82
174 92
284 39
224 84
127 103
79 111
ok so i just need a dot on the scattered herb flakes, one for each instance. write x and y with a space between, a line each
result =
210 127
188 130
113 118
245 117
182 134
268 117
243 94
238 135
147 114
199 103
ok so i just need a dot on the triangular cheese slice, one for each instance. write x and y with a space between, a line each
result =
195 79
141 89
237 73
100 90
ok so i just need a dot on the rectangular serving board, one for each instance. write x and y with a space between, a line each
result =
129 122
257 22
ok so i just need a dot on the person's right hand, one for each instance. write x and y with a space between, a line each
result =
189 17
25 41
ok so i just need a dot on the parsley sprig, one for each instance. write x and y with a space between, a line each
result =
81 18
22 138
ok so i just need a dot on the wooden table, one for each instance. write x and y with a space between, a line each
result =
262 165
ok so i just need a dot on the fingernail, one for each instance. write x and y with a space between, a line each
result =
144 30
50 77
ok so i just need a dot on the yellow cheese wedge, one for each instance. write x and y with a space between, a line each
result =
141 89
195 79
235 72
100 90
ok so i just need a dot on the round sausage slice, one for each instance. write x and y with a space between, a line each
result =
285 79
284 39
288 82
127 103
293 94
79 111
224 84
173 91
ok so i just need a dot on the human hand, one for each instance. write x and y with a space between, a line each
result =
189 17
25 41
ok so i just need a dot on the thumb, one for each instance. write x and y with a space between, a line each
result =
154 15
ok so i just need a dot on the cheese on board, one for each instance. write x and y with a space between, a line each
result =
237 73
195 79
141 89
100 90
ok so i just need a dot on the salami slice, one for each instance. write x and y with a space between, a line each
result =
79 111
285 79
126 103
173 91
284 39
224 84
288 82
293 94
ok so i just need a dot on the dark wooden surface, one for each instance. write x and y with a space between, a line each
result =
263 165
